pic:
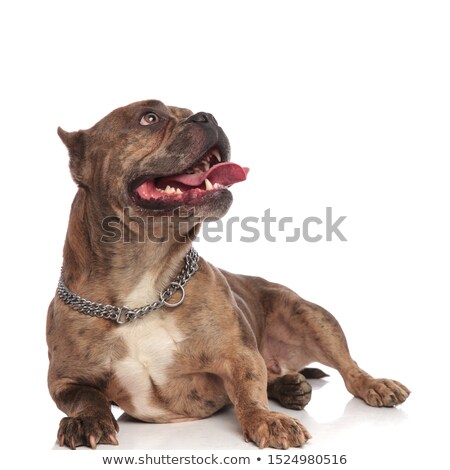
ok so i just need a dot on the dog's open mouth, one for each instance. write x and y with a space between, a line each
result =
208 174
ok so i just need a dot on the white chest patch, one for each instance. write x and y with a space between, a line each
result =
143 293
151 343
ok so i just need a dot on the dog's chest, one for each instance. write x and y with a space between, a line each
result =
151 343
143 293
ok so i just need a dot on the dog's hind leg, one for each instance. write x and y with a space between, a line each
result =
290 390
298 332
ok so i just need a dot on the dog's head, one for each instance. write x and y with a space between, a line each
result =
155 159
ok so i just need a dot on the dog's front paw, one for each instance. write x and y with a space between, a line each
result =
383 392
270 429
292 391
87 431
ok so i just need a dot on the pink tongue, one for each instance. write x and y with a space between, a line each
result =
225 174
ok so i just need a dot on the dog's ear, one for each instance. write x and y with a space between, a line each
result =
74 141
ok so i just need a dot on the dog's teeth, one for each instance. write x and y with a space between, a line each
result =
217 186
169 189
198 170
178 191
217 155
208 185
206 167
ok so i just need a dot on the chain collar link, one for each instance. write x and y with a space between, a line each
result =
124 314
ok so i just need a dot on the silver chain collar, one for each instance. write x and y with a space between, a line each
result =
124 314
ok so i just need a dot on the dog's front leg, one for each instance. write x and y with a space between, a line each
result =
245 379
89 419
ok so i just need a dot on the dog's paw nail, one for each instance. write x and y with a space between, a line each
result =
73 444
93 441
113 439
262 443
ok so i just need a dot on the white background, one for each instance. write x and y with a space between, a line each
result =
342 104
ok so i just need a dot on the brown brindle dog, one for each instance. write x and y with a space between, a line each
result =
234 338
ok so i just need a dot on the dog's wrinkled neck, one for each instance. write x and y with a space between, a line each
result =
124 272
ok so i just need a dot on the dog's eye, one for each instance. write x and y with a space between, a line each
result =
148 119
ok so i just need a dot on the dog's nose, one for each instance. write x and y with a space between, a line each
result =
202 117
